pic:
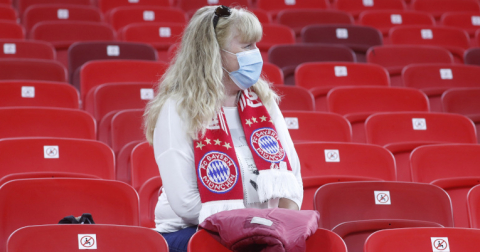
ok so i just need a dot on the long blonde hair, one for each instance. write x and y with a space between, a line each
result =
195 75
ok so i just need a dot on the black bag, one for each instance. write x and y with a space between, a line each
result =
86 218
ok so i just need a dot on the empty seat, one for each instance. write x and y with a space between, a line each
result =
143 165
401 132
59 12
26 49
476 41
148 198
453 167
438 7
7 12
262 16
395 57
319 78
469 21
123 16
55 157
274 6
356 104
191 6
472 56
356 6
423 239
22 5
108 237
463 101
274 34
473 203
288 57
358 38
45 70
127 126
453 39
109 202
107 5
295 98
81 52
11 30
272 73
38 94
324 163
46 122
306 126
383 20
434 79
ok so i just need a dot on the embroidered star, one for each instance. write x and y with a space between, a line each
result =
263 118
227 145
249 123
200 145
217 142
270 120
254 119
207 141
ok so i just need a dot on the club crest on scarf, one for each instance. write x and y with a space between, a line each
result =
218 172
267 145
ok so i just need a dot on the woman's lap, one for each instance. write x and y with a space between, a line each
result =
178 241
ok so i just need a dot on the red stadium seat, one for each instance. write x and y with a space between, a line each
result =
202 241
476 41
468 21
356 104
7 12
288 57
295 98
55 157
454 168
438 7
298 19
148 198
383 20
463 101
109 202
192 5
358 38
272 73
46 122
401 132
275 6
127 127
319 78
472 55
63 34
22 5
42 70
434 79
355 7
423 239
11 30
453 39
262 16
122 168
108 237
143 165
7 2
99 72
306 126
473 200
274 34
38 94
26 49
324 163
395 57
123 16
59 12
107 5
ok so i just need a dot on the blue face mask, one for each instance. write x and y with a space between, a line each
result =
250 63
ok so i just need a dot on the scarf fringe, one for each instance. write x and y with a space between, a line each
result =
213 207
276 183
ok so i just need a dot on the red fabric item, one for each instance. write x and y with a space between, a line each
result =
238 230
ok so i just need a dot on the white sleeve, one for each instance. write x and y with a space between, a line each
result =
174 155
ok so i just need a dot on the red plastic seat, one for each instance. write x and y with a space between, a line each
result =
295 98
288 57
63 34
423 239
395 57
55 157
262 16
191 6
454 168
274 34
22 5
275 6
272 73
322 239
107 5
127 127
356 6
438 7
324 163
472 55
59 12
99 72
11 30
108 238
123 16
434 79
476 41
148 198
468 21
306 126
401 132
41 70
383 20
358 103
143 165
319 78
109 202
358 38
473 204
26 49
7 12
46 122
38 94
463 101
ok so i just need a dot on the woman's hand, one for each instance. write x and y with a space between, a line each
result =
287 204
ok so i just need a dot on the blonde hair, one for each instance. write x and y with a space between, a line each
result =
194 78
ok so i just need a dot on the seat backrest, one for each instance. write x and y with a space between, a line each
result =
355 201
148 197
297 19
473 204
46 122
107 5
127 126
22 5
11 30
295 98
26 49
105 238
59 12
193 5
143 165
38 94
383 20
7 12
306 126
108 201
272 73
275 34
278 5
465 101
159 35
423 239
41 70
437 8
123 16
468 21
56 155
355 7
472 55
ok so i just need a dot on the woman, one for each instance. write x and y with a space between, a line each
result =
220 140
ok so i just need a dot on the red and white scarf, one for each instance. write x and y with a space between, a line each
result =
218 172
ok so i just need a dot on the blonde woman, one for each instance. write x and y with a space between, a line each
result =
220 140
